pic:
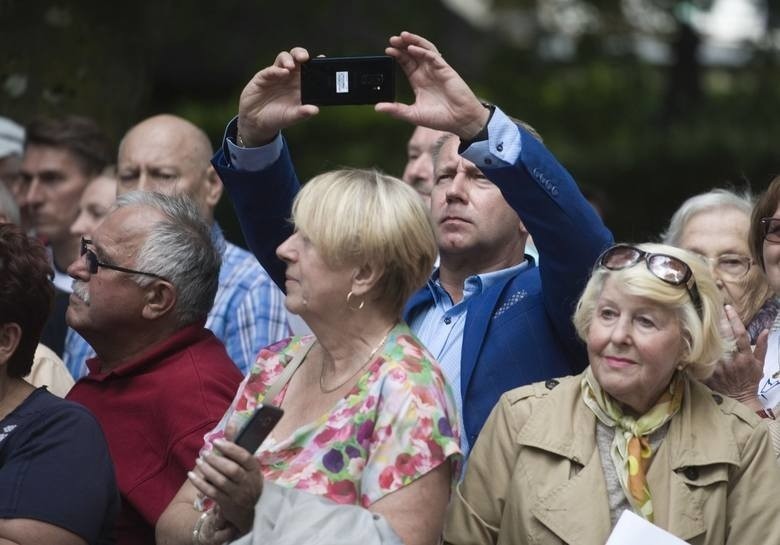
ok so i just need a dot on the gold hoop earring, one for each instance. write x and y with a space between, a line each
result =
349 302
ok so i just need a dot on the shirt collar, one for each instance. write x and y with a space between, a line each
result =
474 284
161 351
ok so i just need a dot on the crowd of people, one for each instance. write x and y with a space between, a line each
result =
442 378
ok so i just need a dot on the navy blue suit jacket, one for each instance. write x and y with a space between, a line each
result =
518 331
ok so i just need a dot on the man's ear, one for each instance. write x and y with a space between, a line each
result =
159 299
364 278
10 337
213 189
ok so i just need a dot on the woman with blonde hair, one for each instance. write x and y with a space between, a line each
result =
559 462
368 419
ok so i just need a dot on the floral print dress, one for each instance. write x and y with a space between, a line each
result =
396 424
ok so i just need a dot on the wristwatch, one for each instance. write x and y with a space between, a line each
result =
482 134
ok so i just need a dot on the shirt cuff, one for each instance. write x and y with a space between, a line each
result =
250 159
502 147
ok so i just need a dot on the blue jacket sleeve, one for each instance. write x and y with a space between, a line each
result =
566 229
263 203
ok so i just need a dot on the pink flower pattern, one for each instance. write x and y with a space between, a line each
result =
397 424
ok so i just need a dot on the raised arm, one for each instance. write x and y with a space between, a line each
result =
567 231
260 179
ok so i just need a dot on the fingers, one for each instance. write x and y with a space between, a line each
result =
290 60
738 329
395 109
762 342
406 39
233 454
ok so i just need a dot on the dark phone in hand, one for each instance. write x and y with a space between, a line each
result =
335 81
259 426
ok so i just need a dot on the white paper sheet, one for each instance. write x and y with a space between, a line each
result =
631 529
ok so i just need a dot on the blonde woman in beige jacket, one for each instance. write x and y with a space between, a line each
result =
559 462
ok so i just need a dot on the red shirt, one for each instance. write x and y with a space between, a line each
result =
154 410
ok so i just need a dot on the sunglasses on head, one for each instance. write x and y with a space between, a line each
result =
93 262
670 269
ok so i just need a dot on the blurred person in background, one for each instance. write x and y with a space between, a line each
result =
764 241
170 155
96 202
48 369
716 226
11 150
61 156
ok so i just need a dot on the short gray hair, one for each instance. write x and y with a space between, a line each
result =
8 205
712 200
181 249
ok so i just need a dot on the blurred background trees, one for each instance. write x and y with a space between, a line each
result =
645 101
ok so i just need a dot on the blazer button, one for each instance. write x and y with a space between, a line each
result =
718 398
551 383
692 472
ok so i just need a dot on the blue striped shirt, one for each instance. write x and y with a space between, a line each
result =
248 312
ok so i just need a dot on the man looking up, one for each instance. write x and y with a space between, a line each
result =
143 286
493 319
170 155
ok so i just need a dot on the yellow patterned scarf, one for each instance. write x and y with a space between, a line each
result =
631 451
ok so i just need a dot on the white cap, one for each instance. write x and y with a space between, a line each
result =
11 138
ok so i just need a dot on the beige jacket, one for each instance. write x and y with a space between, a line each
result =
535 474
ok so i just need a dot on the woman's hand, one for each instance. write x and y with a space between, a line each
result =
738 374
231 477
215 530
271 101
442 100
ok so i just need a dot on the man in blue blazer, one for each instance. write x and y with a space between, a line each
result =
492 317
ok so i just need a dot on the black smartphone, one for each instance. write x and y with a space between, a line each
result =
335 81
259 426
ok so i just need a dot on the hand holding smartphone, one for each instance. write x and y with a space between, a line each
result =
336 81
263 420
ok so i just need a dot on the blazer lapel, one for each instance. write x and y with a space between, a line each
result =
480 314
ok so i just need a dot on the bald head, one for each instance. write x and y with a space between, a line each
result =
168 154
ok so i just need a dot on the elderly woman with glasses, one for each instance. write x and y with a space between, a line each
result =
765 246
559 462
716 225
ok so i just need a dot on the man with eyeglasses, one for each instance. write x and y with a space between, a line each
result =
143 285
170 155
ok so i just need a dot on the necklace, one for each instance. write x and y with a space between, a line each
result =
353 375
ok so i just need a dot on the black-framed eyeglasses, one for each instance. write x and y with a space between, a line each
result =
93 262
670 269
771 229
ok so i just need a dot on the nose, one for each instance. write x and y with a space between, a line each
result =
419 169
286 250
79 227
458 189
78 270
711 264
34 193
621 331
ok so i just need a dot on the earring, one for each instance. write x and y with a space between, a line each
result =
349 302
